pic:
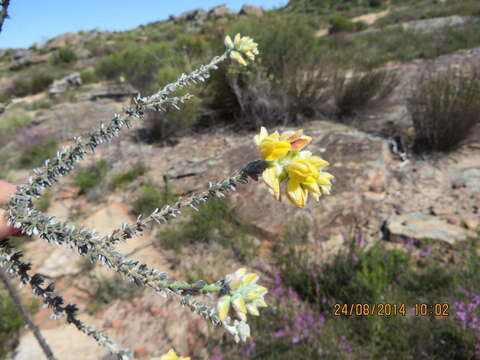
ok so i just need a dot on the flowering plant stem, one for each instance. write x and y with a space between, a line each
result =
23 215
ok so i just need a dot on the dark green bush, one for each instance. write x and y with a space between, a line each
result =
91 176
31 84
283 41
444 108
164 127
150 198
341 23
64 56
10 325
354 93
88 76
137 63
108 290
36 155
285 86
193 45
127 177
214 222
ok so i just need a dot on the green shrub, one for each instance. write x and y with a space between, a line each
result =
193 45
166 126
375 3
444 108
150 198
214 222
36 155
137 63
32 84
64 56
138 169
341 23
285 86
108 290
15 121
11 324
373 49
352 94
285 41
91 176
88 76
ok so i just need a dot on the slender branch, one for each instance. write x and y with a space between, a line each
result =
13 265
4 12
26 316
23 215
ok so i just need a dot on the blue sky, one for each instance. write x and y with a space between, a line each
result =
37 20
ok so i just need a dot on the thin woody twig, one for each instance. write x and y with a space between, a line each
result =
26 316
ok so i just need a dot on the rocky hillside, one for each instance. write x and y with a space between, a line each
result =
385 192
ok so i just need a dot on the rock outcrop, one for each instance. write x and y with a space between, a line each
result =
251 10
60 86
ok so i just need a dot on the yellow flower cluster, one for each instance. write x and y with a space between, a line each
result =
302 170
241 47
172 355
245 295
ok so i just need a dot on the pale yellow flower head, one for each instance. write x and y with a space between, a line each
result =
241 48
300 169
172 355
245 296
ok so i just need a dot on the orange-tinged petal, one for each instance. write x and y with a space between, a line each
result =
301 142
295 193
291 135
270 177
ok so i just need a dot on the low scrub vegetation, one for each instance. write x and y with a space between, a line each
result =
305 322
354 93
150 198
10 326
35 155
110 289
445 107
136 63
89 177
123 178
340 23
63 57
213 223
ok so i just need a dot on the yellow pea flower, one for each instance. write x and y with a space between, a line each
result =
240 47
172 355
302 170
271 146
245 296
